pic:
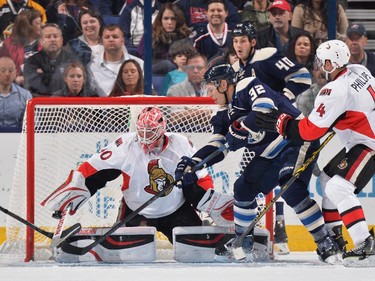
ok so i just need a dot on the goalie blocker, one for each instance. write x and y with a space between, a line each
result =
138 244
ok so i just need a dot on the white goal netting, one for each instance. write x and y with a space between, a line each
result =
61 133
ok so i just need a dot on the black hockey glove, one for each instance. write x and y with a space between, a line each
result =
237 137
274 121
183 173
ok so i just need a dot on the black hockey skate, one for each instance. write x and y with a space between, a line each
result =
224 253
328 251
339 238
280 238
362 255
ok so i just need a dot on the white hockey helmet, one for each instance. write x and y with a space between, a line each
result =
151 125
336 51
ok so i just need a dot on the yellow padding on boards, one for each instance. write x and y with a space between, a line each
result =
300 240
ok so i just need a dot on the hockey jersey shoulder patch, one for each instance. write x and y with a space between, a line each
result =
119 142
263 54
325 92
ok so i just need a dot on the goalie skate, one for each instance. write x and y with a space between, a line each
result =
361 256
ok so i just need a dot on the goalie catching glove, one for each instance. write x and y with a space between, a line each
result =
72 192
273 120
218 206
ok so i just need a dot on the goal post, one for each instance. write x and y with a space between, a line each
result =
61 133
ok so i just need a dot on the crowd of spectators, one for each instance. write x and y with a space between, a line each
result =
65 47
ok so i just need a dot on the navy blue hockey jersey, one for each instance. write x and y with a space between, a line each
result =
275 70
250 92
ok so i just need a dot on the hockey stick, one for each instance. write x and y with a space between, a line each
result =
56 239
70 249
74 229
238 251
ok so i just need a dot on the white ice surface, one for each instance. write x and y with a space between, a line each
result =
293 267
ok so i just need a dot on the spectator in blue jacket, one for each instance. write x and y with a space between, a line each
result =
13 98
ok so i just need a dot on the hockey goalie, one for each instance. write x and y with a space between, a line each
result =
146 160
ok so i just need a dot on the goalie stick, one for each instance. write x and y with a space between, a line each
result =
74 229
70 249
56 239
238 251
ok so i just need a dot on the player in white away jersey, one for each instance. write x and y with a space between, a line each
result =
346 104
147 159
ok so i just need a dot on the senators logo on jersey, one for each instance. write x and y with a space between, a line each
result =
343 164
158 178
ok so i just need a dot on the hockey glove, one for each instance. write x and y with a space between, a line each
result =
72 191
274 121
183 173
237 137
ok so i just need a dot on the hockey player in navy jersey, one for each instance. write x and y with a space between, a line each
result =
345 104
146 159
282 75
274 162
267 64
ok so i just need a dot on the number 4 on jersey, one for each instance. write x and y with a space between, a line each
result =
321 110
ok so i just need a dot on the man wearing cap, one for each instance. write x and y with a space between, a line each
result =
280 33
356 40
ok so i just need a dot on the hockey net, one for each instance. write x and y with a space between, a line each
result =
61 133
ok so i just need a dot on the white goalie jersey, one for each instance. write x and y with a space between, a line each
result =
145 174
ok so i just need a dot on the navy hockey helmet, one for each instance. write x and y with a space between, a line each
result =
220 72
244 29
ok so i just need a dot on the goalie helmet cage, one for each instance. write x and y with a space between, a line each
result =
61 133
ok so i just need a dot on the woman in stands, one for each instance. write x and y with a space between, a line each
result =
88 45
169 26
302 50
129 81
24 40
66 13
312 16
75 82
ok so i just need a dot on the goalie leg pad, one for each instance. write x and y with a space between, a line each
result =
219 206
127 244
72 192
198 243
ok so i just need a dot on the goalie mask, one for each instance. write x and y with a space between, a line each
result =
151 125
